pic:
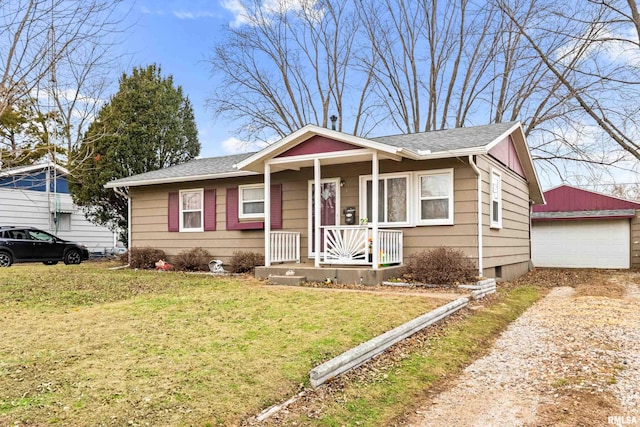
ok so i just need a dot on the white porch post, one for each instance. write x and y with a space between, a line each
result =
267 214
374 210
316 208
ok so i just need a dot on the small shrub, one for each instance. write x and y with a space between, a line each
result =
145 257
196 259
245 262
440 266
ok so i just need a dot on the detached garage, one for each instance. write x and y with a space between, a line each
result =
582 229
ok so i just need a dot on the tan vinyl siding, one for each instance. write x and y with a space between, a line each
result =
504 247
635 240
149 222
462 235
509 244
150 204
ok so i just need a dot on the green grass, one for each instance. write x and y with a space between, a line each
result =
81 345
380 401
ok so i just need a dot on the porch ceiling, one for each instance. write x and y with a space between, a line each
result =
335 158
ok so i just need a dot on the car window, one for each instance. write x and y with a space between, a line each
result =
17 234
40 235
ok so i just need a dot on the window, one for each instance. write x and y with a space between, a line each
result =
251 201
41 235
60 221
191 210
435 197
393 199
496 199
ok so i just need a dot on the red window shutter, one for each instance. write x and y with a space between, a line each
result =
173 217
276 207
232 208
233 223
210 210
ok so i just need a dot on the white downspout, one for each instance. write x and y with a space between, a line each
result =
129 242
479 185
375 169
267 215
317 182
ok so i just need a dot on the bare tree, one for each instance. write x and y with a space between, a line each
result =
592 63
564 70
288 66
58 54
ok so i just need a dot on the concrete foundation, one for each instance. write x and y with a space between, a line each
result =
507 271
337 274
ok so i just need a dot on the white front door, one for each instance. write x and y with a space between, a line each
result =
329 209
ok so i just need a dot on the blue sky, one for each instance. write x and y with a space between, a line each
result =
179 35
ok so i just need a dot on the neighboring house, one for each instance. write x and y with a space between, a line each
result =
38 196
428 189
582 229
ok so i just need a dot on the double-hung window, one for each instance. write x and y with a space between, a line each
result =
496 199
251 201
191 215
393 199
435 197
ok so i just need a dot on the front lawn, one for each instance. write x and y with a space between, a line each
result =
81 345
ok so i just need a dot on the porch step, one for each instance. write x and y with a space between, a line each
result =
275 279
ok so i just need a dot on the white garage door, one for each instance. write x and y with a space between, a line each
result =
581 244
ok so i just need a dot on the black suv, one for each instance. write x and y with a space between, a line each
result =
28 244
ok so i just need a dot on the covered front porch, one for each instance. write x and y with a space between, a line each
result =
349 245
349 237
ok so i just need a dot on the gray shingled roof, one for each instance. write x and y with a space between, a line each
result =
190 170
433 141
449 139
622 213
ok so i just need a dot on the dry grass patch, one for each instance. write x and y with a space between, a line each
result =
80 345
586 282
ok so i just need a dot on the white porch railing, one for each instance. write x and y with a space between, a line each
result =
346 245
390 246
353 245
285 246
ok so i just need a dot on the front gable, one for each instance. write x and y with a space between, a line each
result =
505 152
300 148
318 144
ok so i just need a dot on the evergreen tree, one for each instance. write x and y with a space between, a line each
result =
147 125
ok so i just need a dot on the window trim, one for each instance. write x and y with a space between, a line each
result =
495 224
385 176
56 223
451 188
241 214
181 211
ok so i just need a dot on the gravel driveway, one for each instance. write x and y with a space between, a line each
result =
572 359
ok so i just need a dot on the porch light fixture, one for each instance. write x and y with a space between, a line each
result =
342 183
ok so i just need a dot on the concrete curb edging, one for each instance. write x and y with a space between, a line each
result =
484 288
365 351
481 284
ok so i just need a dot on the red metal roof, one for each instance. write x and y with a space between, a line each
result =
566 198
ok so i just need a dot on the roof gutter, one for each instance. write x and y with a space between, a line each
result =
173 180
479 197
118 191
426 155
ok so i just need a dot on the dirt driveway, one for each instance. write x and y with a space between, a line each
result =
572 359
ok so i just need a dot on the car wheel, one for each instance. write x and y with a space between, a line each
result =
50 262
5 259
73 257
